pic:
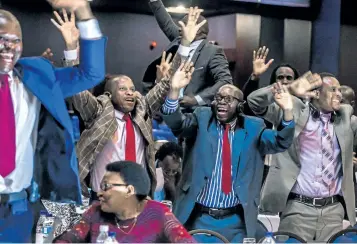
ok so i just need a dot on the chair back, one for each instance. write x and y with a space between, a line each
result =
208 233
285 237
348 235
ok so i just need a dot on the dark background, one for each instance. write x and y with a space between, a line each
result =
321 38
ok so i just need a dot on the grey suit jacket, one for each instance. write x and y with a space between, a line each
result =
286 165
211 65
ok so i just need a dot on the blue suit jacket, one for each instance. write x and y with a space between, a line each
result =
55 164
250 143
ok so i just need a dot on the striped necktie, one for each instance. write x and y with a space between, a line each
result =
328 159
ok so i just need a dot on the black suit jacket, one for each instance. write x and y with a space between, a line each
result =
211 65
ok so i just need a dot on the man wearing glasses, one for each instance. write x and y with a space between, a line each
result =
223 167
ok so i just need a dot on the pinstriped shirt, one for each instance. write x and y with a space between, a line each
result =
212 195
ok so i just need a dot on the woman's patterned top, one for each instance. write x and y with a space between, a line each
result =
156 224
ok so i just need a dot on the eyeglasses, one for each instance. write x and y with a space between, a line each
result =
170 172
227 99
107 186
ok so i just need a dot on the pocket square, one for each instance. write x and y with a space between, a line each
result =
198 68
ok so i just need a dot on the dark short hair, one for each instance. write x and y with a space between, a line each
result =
273 74
326 74
169 148
133 174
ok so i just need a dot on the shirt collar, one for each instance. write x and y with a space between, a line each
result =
120 115
195 44
233 124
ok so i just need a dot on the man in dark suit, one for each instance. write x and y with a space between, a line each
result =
222 171
36 145
210 62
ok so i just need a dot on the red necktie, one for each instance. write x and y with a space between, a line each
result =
7 129
130 152
226 163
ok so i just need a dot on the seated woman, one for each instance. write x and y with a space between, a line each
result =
125 209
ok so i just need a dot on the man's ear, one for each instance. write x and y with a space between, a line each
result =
353 104
131 191
317 92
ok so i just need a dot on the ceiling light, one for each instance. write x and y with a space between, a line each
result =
180 9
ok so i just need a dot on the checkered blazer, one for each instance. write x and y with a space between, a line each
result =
100 123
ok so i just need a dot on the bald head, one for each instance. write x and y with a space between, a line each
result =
10 42
236 92
122 89
6 17
348 95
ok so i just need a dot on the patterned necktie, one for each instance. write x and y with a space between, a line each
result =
328 159
226 163
130 152
7 128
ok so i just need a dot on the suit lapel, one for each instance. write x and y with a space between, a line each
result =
237 145
197 52
303 117
213 141
339 130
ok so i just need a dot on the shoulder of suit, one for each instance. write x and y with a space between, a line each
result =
345 110
253 121
105 99
203 112
35 62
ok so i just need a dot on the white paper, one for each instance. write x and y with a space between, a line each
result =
160 179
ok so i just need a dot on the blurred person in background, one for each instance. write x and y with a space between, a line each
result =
168 171
210 62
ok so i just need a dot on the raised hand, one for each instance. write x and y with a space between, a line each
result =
259 58
72 5
282 96
68 29
182 76
191 28
354 159
303 86
162 70
80 7
47 54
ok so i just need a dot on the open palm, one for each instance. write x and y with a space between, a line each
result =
303 86
182 76
191 28
67 27
282 97
259 58
68 4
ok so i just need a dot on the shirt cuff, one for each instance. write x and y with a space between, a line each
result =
89 29
71 54
286 123
170 106
183 51
199 100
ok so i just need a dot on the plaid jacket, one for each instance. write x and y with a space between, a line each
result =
100 123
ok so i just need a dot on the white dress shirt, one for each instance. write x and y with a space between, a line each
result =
27 109
189 52
114 151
